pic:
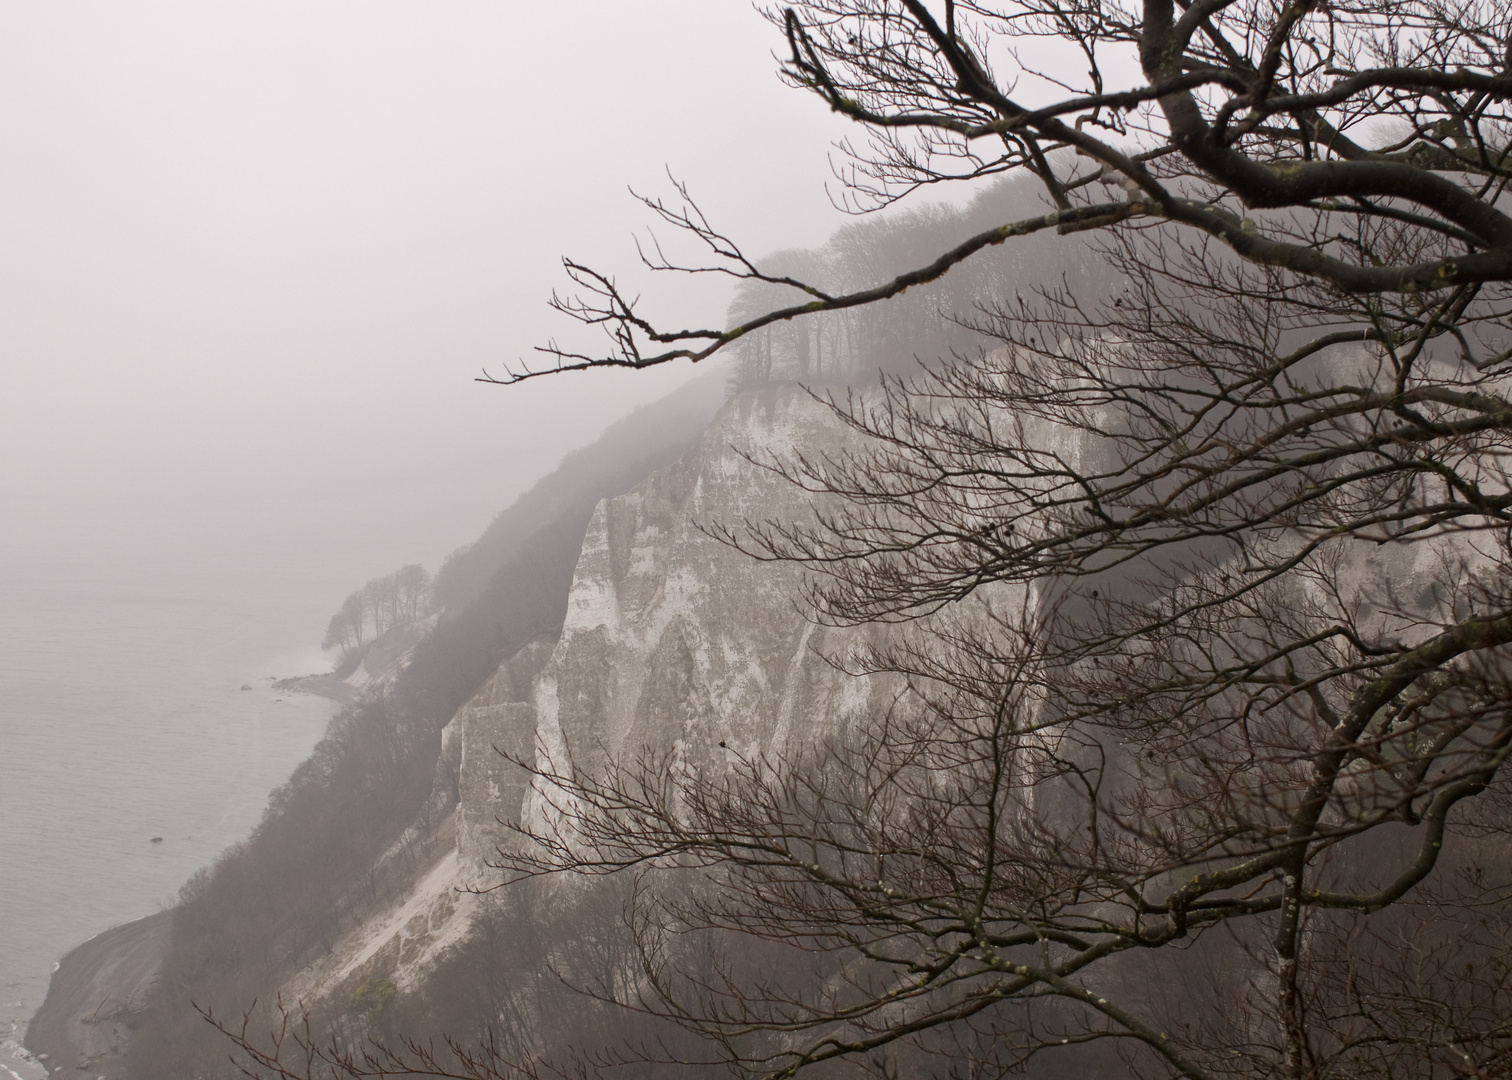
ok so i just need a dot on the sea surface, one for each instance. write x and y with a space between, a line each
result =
136 702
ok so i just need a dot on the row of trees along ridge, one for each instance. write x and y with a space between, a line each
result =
384 602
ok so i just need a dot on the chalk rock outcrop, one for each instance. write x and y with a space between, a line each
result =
674 642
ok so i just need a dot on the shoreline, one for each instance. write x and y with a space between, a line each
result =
98 988
95 992
329 686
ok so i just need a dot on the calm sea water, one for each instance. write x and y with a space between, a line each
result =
123 717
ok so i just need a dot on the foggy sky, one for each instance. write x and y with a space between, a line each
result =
252 254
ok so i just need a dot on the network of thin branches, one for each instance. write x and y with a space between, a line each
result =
1291 134
1248 514
1200 588
1205 601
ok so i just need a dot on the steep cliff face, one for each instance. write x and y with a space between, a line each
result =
673 642
677 642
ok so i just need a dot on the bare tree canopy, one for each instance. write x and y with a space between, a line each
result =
1204 582
1364 145
1197 593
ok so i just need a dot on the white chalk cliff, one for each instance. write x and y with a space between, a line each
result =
673 641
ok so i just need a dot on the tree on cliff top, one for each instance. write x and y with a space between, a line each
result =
1205 585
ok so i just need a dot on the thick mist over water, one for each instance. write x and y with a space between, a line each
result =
254 255
251 259
140 735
